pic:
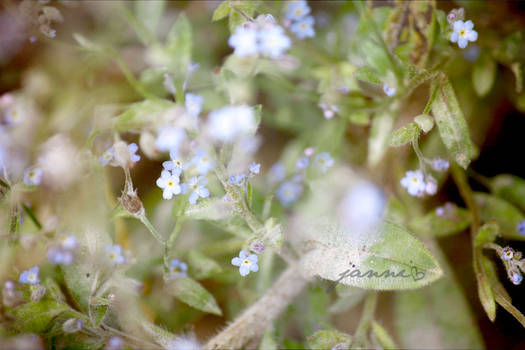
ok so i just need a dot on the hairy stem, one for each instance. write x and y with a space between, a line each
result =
252 323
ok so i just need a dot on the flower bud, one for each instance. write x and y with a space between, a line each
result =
72 325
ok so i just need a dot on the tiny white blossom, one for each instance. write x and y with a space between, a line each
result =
297 10
273 41
169 182
304 28
170 138
244 41
229 123
193 104
463 33
414 183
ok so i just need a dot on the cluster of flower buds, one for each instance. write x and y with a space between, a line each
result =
514 264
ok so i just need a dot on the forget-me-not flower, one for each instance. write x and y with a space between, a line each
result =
169 182
521 227
324 161
231 122
463 33
114 253
302 163
297 10
60 256
255 168
107 156
203 162
244 41
246 264
133 148
440 164
237 179
30 276
507 254
277 172
289 192
303 28
517 278
389 91
33 176
197 187
414 183
193 104
273 42
178 269
169 139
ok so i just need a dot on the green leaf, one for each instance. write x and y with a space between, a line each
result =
451 123
221 11
487 234
393 260
179 47
438 316
382 126
510 188
382 336
483 75
506 215
368 75
486 296
268 342
192 293
87 44
140 114
451 221
425 122
327 339
36 316
235 20
517 69
208 209
404 135
149 13
201 266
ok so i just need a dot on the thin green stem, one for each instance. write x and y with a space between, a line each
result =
366 319
151 229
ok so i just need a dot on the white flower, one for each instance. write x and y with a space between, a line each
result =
297 10
229 123
246 263
169 182
463 33
114 253
197 186
244 41
273 41
414 183
33 176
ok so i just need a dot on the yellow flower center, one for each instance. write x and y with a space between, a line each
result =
246 261
170 183
462 32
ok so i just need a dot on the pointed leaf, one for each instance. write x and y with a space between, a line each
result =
201 266
36 316
510 188
483 75
506 215
221 11
192 293
404 135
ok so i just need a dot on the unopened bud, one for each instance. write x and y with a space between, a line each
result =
72 325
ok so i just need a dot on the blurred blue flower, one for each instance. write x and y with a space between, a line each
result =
389 91
255 168
33 176
324 161
277 172
304 28
517 278
296 10
203 162
440 164
107 156
273 41
246 264
237 179
302 163
231 122
196 185
193 104
60 256
30 276
289 192
114 253
133 148
414 183
178 269
169 139
521 227
244 41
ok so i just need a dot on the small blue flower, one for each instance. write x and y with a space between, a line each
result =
389 91
289 192
517 278
68 241
178 269
329 111
463 33
255 168
237 179
33 176
175 162
507 254
297 10
273 42
303 28
440 164
246 264
169 183
196 185
60 256
302 163
521 227
203 162
414 183
244 41
193 104
133 148
114 253
114 343
30 276
169 139
107 156
324 161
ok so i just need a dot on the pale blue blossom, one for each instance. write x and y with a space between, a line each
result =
203 162
178 269
517 278
30 276
33 176
296 10
107 156
175 162
255 168
463 33
324 161
197 187
361 208
329 111
231 122
289 192
68 241
277 172
440 164
169 182
246 263
60 256
304 28
133 148
521 227
414 183
114 343
237 179
389 91
114 253
507 254
244 41
169 138
193 104
302 163
273 42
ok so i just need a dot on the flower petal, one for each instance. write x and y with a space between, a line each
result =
254 267
244 270
253 258
237 261
472 35
462 42
242 254
193 197
167 193
454 37
468 25
458 25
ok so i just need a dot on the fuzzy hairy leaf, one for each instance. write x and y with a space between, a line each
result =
36 316
453 220
192 293
404 135
382 126
201 266
451 123
392 259
327 339
221 11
